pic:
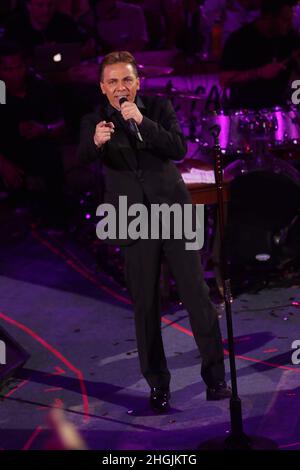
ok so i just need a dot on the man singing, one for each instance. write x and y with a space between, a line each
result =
138 142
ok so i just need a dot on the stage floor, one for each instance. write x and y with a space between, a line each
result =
77 326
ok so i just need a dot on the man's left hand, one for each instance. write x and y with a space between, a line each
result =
131 111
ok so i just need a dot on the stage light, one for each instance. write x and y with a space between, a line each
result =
263 257
57 58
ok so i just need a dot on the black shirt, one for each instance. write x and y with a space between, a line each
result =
248 49
61 29
39 104
118 120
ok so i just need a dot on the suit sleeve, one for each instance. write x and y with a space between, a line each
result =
87 150
166 136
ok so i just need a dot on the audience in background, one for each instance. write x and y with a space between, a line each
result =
192 39
232 15
104 25
39 22
31 123
174 16
120 25
296 19
100 26
6 8
74 8
259 58
135 25
154 16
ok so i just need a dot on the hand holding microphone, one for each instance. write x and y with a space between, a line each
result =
131 113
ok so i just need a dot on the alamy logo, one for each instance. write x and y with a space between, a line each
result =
2 353
2 92
296 354
147 225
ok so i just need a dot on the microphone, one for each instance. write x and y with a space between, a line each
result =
132 122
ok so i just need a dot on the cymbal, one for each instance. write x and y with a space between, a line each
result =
173 93
152 71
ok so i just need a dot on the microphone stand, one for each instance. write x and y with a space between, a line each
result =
237 439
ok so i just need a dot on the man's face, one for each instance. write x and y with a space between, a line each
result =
13 71
41 11
119 80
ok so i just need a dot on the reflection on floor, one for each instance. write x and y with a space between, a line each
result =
78 327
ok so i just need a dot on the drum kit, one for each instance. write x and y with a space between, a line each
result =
261 154
257 138
274 131
243 131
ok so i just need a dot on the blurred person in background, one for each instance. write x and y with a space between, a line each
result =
74 8
31 123
192 39
232 15
6 8
120 25
154 16
39 22
258 59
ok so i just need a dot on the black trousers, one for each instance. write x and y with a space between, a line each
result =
142 273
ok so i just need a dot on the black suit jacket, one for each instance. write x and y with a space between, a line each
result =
139 169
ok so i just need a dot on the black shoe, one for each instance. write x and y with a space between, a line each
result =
159 399
220 391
